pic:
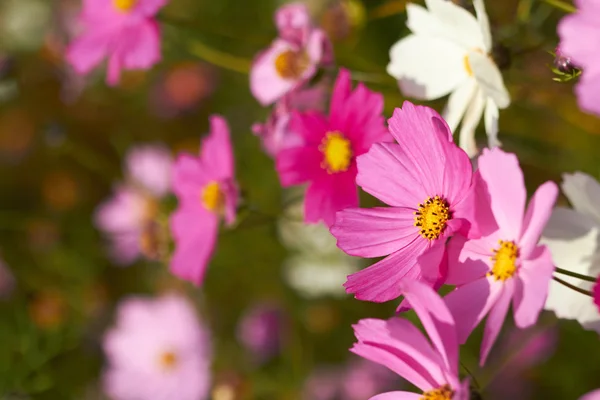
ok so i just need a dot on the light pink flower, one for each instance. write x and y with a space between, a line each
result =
426 179
158 350
261 331
595 395
122 31
292 59
327 158
578 32
128 217
207 191
506 263
431 365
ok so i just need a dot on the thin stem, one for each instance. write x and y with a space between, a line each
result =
219 58
470 374
575 275
561 5
388 9
575 288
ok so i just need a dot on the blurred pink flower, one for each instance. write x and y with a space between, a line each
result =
128 217
426 179
158 350
276 133
207 191
261 331
7 281
292 59
507 262
578 32
327 157
123 31
431 365
595 395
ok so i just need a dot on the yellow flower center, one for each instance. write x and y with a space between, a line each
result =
168 360
291 64
337 152
505 260
125 5
213 198
442 393
432 217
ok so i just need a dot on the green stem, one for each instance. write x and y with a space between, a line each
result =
219 58
575 288
388 9
561 5
575 275
470 374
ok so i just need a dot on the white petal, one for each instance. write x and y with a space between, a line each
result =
489 78
491 123
484 23
469 124
457 24
458 102
573 242
583 192
427 67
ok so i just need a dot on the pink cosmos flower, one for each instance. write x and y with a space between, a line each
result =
595 395
293 57
578 32
207 191
506 263
129 216
158 350
123 31
261 331
426 179
596 293
431 365
327 157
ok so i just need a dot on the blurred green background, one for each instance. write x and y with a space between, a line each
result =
62 141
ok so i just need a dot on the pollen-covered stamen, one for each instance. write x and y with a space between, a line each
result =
467 65
125 5
442 393
337 152
213 198
291 64
168 360
505 260
432 217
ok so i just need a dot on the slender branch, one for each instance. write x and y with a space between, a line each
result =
575 275
561 5
219 58
575 288
470 374
388 9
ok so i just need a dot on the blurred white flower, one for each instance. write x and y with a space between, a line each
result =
23 23
572 235
448 52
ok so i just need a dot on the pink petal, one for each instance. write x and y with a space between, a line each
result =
87 51
468 260
397 396
496 319
330 194
232 195
475 208
150 166
437 321
595 395
374 232
195 234
536 218
149 8
139 45
401 347
433 263
311 125
381 281
113 73
533 282
588 97
505 184
216 152
298 165
293 22
341 91
189 176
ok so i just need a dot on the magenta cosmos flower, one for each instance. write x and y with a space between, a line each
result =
122 31
578 34
129 218
293 57
431 365
158 350
595 395
426 179
207 192
506 263
327 157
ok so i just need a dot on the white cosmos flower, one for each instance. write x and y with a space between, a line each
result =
572 235
448 52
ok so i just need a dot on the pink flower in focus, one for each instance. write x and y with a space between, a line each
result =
158 350
426 179
431 365
123 31
293 57
506 263
206 190
327 157
261 331
128 217
578 34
